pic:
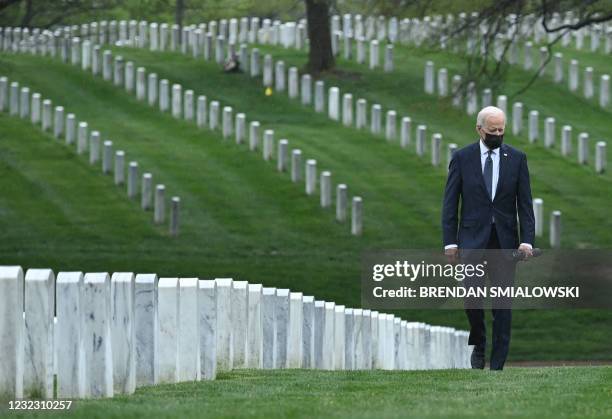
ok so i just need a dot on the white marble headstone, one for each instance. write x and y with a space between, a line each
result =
281 320
145 327
239 297
319 331
254 352
349 339
96 335
374 339
390 342
366 332
208 329
122 332
167 330
328 336
359 362
294 347
38 339
339 337
382 341
308 331
11 332
68 344
188 340
268 302
224 324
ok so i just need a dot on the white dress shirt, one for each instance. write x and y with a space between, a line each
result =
484 152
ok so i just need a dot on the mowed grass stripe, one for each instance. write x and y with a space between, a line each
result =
545 168
516 392
368 188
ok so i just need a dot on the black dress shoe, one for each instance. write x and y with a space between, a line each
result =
478 358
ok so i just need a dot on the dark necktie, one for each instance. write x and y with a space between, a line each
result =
488 174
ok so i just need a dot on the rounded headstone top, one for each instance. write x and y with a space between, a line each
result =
69 277
39 275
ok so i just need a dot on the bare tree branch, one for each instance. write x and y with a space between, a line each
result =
593 16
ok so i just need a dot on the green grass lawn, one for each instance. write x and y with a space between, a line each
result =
559 392
243 219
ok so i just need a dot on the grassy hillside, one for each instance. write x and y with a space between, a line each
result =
402 91
241 218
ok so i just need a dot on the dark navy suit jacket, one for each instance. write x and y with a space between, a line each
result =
465 183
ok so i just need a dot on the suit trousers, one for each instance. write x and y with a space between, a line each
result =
500 272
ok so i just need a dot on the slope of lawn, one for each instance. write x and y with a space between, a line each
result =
243 219
559 392
598 59
403 92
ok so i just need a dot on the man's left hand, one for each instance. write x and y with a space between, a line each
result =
526 250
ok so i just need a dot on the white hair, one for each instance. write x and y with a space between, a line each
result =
486 112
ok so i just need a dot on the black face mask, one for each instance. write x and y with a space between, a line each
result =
493 141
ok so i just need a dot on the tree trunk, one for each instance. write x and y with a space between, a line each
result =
180 11
320 56
29 14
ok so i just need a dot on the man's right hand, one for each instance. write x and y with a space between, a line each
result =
452 255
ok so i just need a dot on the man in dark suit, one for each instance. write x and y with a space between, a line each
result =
491 180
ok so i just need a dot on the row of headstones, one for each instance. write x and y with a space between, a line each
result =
360 56
200 38
279 82
390 131
274 75
347 115
290 33
234 30
163 36
112 334
339 39
500 46
181 105
501 43
351 115
199 42
594 32
371 27
573 79
573 73
604 85
253 63
350 27
19 102
530 26
346 112
442 31
516 117
170 37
